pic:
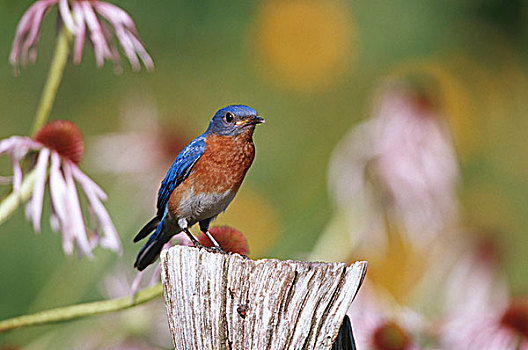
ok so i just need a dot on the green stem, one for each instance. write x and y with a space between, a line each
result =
82 310
14 199
58 64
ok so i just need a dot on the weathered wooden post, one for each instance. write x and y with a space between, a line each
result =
220 301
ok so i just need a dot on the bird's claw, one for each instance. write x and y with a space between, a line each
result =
241 255
215 250
198 245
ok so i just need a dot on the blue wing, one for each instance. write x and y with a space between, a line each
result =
179 170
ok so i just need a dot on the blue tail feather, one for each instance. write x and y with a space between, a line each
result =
150 251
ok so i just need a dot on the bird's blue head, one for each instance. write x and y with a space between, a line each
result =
234 120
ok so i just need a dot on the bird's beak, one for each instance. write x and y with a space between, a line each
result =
250 121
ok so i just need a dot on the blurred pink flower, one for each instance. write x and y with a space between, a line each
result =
379 323
492 328
474 280
59 149
77 15
401 165
478 314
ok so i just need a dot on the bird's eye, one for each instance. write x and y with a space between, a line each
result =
229 117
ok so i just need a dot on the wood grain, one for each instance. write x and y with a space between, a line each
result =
220 301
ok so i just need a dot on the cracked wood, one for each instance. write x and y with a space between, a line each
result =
219 301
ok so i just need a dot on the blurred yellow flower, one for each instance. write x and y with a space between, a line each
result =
303 45
402 267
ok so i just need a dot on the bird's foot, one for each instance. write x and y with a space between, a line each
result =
241 255
199 245
215 250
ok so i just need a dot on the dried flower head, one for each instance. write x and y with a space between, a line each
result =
103 20
228 238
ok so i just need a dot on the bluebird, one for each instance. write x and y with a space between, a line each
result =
202 181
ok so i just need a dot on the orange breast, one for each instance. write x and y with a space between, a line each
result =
223 164
221 167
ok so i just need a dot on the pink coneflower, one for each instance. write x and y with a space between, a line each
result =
478 312
102 19
381 324
492 328
398 165
474 280
59 148
415 161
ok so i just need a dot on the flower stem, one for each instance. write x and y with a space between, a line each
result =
11 202
82 310
53 80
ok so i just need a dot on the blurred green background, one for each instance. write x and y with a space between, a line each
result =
310 69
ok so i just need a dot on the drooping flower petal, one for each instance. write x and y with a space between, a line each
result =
97 37
40 12
115 14
117 17
143 54
94 194
22 29
124 29
54 220
66 16
29 210
81 32
79 230
38 190
58 197
86 182
17 172
27 30
128 46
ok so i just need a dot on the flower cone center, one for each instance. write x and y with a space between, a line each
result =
63 137
390 336
516 318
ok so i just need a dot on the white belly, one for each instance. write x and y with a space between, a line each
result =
199 206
